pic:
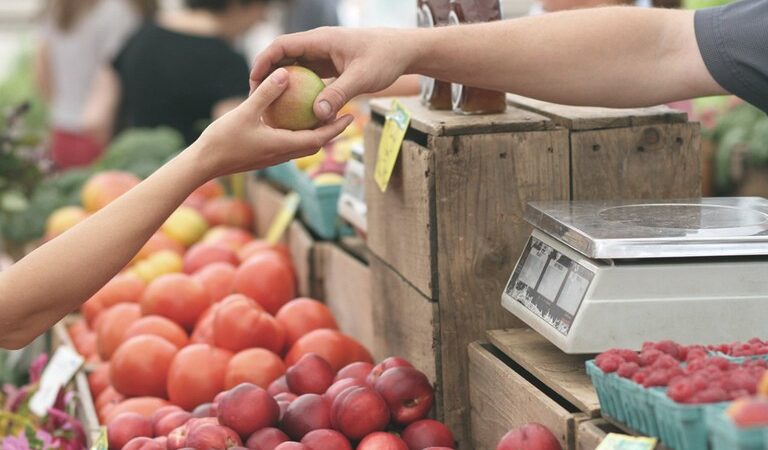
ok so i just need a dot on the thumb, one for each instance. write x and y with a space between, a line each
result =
268 91
338 93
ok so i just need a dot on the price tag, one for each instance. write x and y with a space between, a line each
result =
283 218
615 441
62 367
398 119
101 442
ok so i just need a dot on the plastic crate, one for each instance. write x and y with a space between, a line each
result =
724 435
681 426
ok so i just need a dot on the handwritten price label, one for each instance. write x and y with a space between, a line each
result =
615 441
395 126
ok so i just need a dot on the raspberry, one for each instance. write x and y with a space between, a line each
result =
695 354
639 376
710 395
669 347
609 363
629 355
719 362
628 369
665 362
680 391
656 378
649 356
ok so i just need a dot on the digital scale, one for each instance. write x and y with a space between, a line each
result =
600 275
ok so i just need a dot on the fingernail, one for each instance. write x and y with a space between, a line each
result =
325 109
279 76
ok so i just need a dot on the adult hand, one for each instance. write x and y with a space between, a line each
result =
239 140
364 60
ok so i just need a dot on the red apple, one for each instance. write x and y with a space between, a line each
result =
307 413
389 363
202 254
407 393
310 375
247 408
141 443
531 436
266 439
170 422
293 110
278 386
359 411
326 440
341 386
127 426
427 433
382 441
358 370
212 437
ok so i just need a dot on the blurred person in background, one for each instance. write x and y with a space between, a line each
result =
545 6
303 15
181 70
76 38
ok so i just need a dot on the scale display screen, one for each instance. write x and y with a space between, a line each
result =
550 284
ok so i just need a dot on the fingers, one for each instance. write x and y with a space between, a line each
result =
348 86
267 92
311 140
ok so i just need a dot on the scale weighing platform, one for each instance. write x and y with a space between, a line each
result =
600 275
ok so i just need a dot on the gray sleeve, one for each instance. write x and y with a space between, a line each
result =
733 41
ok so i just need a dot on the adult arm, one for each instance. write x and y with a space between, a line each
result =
59 276
614 57
100 109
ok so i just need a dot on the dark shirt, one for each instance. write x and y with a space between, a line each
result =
733 40
174 79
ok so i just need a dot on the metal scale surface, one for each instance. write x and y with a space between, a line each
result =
599 275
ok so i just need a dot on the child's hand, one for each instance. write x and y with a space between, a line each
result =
240 141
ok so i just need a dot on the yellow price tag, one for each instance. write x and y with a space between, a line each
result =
101 442
283 218
397 121
237 181
615 441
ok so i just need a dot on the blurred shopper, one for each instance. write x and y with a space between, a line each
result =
303 15
180 71
77 37
545 6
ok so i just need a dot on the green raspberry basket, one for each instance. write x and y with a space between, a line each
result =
725 435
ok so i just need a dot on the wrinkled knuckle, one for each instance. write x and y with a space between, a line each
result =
335 96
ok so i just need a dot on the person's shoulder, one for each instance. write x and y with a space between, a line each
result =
118 9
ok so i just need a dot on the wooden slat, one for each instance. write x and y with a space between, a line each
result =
348 295
405 321
483 183
660 161
501 400
565 374
266 201
447 123
592 118
301 245
400 229
590 433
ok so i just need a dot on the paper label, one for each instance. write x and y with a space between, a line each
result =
283 218
59 371
101 442
397 121
615 441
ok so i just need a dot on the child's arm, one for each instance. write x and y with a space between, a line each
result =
59 276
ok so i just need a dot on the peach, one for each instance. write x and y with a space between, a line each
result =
185 226
157 243
125 427
62 220
382 441
307 413
278 386
247 408
228 211
359 411
143 443
171 421
160 414
341 386
529 436
204 410
266 439
407 393
104 187
326 440
177 439
357 370
293 110
212 437
202 254
427 433
218 279
292 446
310 375
157 264
389 363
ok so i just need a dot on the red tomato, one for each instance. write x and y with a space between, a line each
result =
266 278
255 365
302 315
112 325
218 279
176 296
146 406
335 347
98 379
158 326
259 245
240 323
197 375
140 366
201 255
123 288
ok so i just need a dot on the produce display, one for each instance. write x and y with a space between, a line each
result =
200 342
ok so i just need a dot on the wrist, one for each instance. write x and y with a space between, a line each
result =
423 43
195 165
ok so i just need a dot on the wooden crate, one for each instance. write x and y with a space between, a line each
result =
591 432
518 378
451 226
346 284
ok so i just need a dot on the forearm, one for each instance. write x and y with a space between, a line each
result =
57 277
616 57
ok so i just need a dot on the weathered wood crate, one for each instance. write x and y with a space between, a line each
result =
519 377
446 234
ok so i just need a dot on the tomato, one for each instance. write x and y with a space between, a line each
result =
240 323
85 343
266 278
218 279
255 365
98 379
228 211
112 326
259 245
335 347
77 328
231 237
140 366
302 315
176 296
146 406
123 288
202 254
203 332
210 189
90 310
197 374
109 396
158 326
